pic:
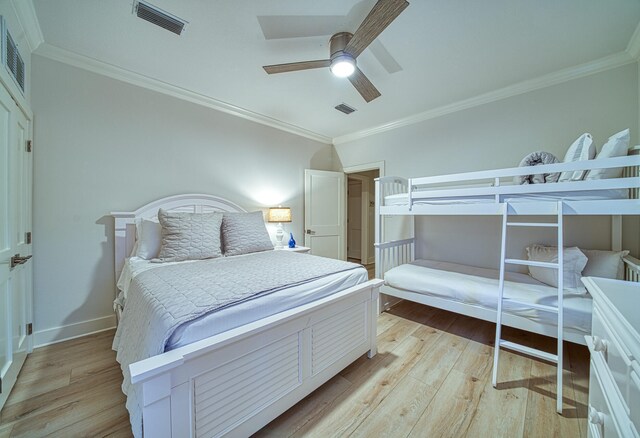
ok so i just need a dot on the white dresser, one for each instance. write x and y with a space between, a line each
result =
614 384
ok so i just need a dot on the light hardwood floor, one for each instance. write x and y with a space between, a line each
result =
431 378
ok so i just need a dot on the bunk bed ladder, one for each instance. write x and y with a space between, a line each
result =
500 343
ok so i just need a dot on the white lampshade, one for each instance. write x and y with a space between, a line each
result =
343 66
279 214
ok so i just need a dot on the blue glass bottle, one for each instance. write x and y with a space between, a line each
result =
292 242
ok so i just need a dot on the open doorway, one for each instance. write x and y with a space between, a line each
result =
361 218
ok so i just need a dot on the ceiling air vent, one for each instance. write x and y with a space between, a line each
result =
157 16
344 108
11 56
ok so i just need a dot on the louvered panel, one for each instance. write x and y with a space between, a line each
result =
20 71
160 18
231 384
336 336
11 56
231 397
230 393
336 351
10 51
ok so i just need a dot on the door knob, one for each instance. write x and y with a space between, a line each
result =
19 260
311 232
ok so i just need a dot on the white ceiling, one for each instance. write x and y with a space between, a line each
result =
448 51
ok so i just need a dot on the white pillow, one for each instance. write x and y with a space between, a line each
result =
149 235
607 264
616 146
581 149
574 263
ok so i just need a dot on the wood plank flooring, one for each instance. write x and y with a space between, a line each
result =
431 378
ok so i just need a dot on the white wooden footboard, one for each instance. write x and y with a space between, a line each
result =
237 382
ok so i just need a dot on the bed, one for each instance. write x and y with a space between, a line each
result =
608 185
233 370
492 192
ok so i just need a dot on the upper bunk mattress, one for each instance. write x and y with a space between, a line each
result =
587 195
479 287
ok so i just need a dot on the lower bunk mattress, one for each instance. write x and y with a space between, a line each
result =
479 287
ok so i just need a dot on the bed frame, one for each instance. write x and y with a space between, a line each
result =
390 254
236 382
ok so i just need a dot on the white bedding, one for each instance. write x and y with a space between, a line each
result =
479 286
246 312
587 195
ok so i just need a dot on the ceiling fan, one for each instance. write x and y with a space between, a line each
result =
345 47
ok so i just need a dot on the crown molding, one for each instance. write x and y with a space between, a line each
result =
633 48
558 77
102 68
28 19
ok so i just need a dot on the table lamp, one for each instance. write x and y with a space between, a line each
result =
279 215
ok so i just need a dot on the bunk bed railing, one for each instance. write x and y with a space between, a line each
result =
600 184
393 253
392 185
498 183
604 163
631 269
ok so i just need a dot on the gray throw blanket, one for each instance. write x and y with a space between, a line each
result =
162 299
537 159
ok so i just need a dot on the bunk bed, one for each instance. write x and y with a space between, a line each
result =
499 295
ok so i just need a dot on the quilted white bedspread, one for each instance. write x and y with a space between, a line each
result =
160 300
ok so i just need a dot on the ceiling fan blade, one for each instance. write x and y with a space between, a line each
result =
382 14
295 66
364 85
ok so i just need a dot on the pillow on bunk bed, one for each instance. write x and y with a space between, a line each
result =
189 236
581 149
616 146
148 239
244 233
574 263
537 159
607 264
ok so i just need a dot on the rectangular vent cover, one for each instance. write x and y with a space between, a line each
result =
11 56
344 108
161 18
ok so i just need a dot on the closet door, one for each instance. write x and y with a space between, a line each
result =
15 223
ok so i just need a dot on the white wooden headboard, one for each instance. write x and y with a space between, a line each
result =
125 222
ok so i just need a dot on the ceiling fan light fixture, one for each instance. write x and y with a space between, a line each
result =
343 66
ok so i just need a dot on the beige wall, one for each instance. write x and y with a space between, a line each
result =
103 145
498 135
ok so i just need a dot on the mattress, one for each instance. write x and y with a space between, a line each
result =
586 195
246 312
479 287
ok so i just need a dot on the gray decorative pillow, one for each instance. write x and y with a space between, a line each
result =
243 233
189 236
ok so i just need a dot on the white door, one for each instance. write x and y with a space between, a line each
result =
325 213
15 222
354 219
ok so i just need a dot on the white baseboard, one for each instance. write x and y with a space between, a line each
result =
64 333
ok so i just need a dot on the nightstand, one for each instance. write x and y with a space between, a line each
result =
301 249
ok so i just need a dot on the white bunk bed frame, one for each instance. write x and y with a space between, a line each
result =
390 254
266 366
423 195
